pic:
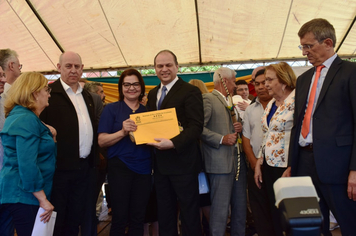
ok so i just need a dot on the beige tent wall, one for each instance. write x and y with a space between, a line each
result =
111 34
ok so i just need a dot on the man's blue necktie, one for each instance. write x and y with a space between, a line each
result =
163 95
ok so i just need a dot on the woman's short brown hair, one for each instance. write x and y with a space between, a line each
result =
129 72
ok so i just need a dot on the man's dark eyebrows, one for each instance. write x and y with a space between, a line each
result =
167 64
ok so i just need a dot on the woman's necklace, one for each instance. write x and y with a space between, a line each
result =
133 105
134 110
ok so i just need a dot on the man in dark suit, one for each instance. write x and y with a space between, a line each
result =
71 112
323 138
178 160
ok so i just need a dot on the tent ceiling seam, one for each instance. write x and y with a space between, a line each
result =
117 44
345 36
285 28
39 18
198 30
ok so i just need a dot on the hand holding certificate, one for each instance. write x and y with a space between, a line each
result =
159 125
41 228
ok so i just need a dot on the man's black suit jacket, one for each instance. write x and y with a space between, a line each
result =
61 114
185 158
334 122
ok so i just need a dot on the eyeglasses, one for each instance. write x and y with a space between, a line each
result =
136 85
20 65
306 46
48 90
309 46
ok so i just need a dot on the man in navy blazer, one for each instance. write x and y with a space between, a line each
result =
327 150
177 161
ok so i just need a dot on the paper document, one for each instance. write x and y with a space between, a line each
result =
155 124
44 229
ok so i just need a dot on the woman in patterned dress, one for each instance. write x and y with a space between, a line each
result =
276 121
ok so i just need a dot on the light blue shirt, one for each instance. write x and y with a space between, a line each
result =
309 139
252 125
168 87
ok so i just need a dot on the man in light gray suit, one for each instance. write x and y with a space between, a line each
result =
222 162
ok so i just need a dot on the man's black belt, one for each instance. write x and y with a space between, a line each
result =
309 147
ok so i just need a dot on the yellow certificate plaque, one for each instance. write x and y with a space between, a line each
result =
155 124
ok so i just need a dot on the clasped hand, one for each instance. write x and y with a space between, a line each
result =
129 126
162 144
237 127
229 139
48 207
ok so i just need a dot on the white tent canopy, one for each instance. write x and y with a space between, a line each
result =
111 34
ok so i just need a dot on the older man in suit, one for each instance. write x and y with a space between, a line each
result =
323 138
222 158
72 113
177 161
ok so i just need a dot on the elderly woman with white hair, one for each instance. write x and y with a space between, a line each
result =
277 121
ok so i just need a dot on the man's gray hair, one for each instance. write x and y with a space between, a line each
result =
321 28
224 72
92 86
7 55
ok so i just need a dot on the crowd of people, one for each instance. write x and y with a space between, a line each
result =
59 140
